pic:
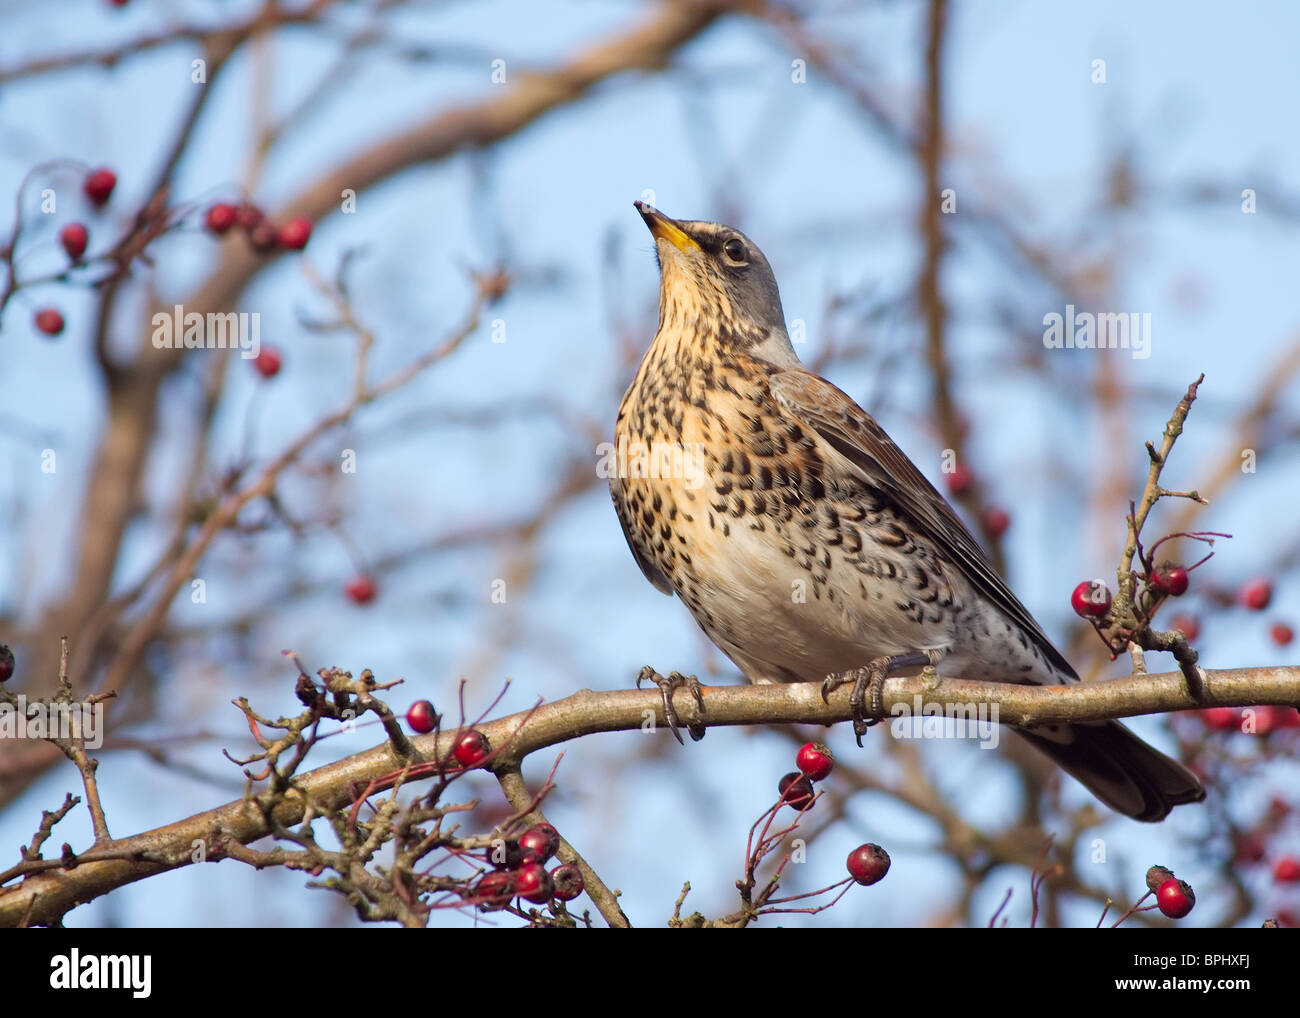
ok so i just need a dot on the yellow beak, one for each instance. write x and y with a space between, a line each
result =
664 228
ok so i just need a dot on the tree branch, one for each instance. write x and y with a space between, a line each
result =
45 897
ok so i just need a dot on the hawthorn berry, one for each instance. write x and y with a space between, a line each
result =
248 215
294 234
98 186
1249 848
264 236
497 888
361 589
74 237
1175 898
422 717
221 217
49 321
533 883
566 882
815 760
268 361
996 521
539 842
1187 625
796 790
472 748
1172 581
1281 633
505 854
1220 719
1091 599
959 480
1256 594
1287 870
868 863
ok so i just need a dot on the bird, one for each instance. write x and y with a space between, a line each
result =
803 540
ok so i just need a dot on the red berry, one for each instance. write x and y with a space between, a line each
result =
567 882
1175 898
6 662
868 864
1266 719
1288 918
1286 717
268 361
1281 633
295 233
472 748
361 589
248 215
506 854
1220 719
422 717
74 239
815 760
496 889
221 217
959 480
264 236
533 883
1287 870
796 790
1091 599
1187 625
539 842
996 521
1171 581
49 321
1249 848
1256 595
99 186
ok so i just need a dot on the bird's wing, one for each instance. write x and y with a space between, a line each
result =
817 404
650 570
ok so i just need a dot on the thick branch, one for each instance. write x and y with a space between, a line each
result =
45 897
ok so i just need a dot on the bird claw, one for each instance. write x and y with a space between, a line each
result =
668 686
871 676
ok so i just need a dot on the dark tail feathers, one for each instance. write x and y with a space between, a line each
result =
1119 768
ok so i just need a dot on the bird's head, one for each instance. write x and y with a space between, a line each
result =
714 279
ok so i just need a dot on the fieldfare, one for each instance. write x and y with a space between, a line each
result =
803 540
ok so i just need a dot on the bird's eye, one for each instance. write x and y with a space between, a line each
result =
734 249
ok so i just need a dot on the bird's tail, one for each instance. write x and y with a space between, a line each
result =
1119 768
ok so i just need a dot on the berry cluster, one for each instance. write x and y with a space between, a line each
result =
74 238
815 763
520 872
1091 600
262 233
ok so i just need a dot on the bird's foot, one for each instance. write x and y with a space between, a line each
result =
871 678
668 686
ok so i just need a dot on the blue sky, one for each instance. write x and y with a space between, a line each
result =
1196 91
